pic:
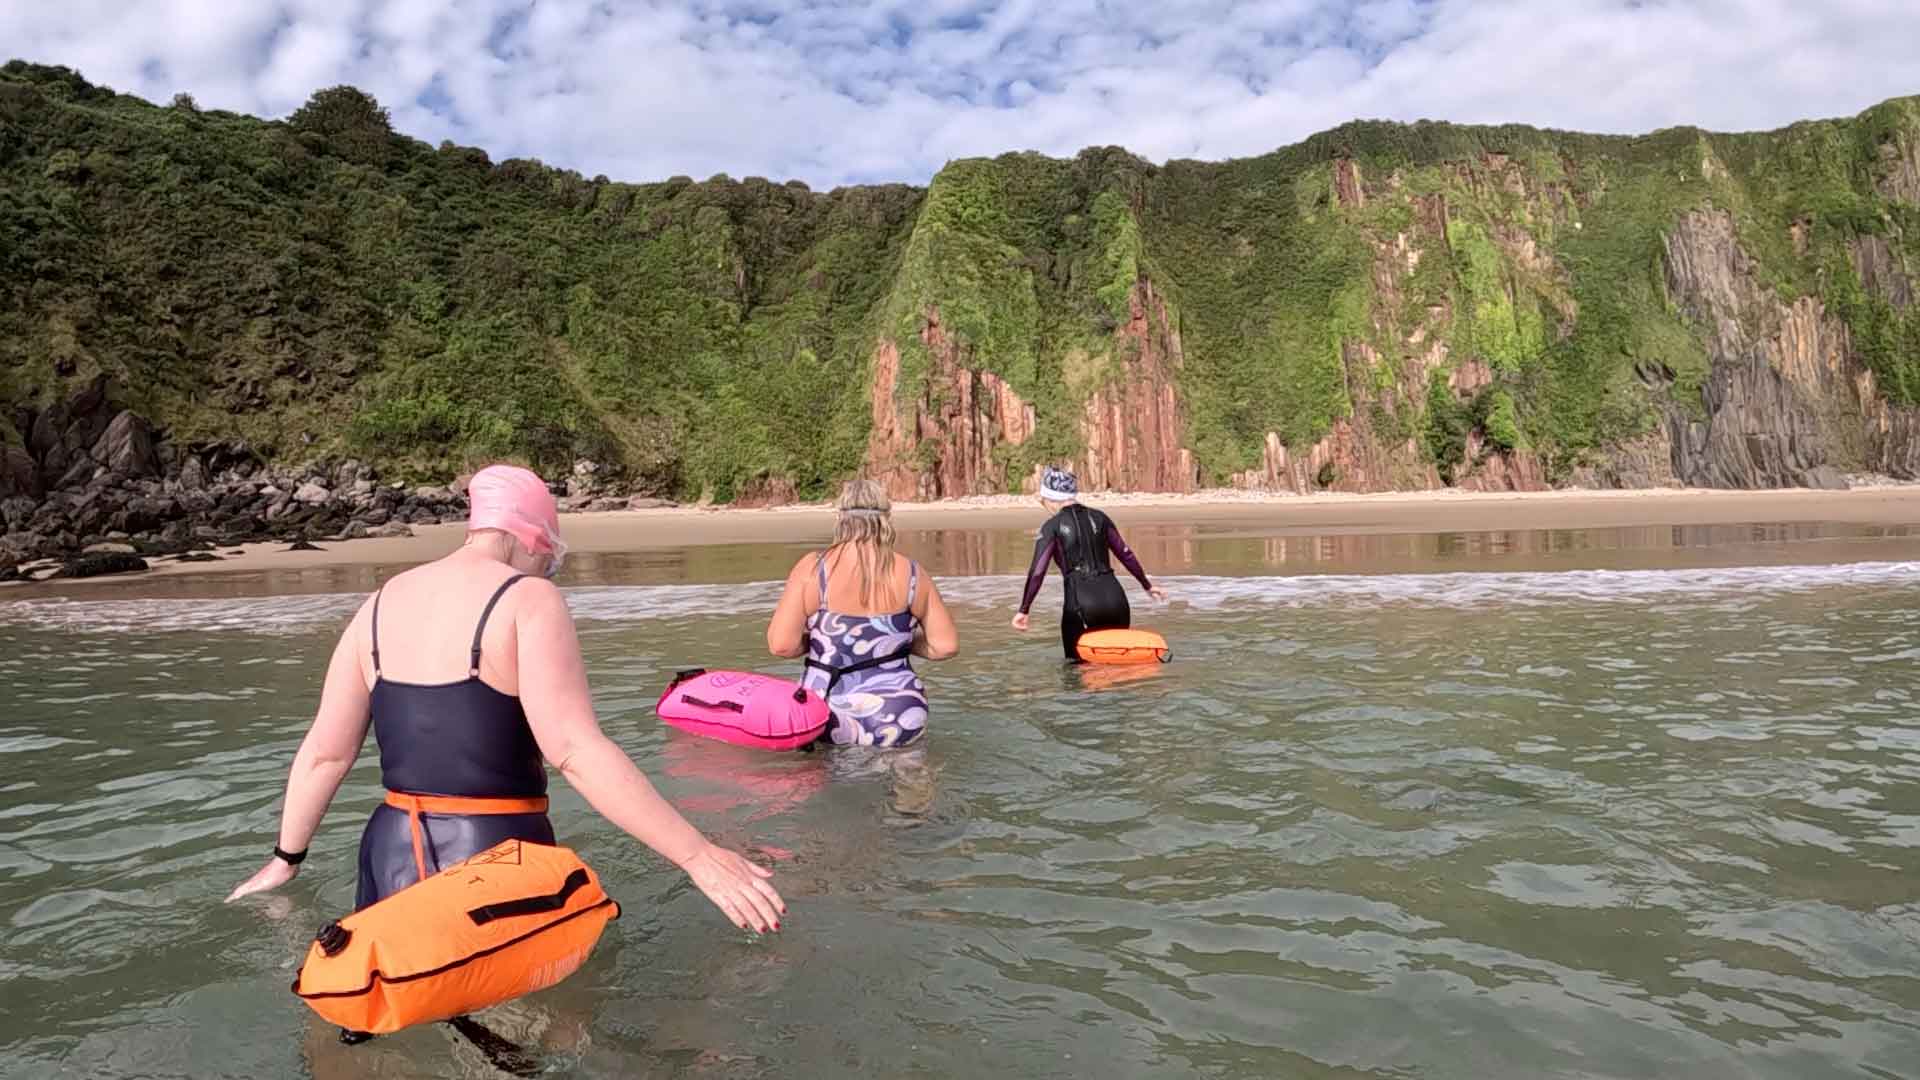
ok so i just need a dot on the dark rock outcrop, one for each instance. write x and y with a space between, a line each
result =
1758 434
102 564
126 447
1789 401
91 472
18 474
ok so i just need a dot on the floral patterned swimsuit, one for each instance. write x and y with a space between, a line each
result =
862 665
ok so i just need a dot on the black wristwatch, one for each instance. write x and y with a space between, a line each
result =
291 858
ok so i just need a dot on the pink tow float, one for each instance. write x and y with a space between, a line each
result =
744 708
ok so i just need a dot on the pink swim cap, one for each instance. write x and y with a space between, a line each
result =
517 502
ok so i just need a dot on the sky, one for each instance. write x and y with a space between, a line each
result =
832 91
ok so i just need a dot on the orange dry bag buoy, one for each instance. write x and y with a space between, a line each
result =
516 918
1122 647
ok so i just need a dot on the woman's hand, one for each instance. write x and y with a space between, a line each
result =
737 887
276 873
1021 622
1158 593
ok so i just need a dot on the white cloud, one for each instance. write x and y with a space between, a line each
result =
836 90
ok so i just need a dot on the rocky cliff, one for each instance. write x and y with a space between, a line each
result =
942 444
1381 307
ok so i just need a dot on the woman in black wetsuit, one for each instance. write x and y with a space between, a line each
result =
1079 539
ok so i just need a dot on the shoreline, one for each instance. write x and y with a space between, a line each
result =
1272 514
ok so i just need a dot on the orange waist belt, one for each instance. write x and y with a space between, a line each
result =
415 805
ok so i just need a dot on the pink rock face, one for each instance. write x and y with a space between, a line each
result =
1790 401
941 446
1133 427
944 443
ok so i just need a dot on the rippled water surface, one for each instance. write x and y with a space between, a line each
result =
1626 822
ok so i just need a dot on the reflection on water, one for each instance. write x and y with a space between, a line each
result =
1217 550
1484 819
1213 550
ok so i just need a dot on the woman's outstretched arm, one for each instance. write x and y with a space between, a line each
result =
325 757
1045 550
1118 545
559 706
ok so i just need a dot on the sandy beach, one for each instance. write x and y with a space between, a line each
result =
1275 515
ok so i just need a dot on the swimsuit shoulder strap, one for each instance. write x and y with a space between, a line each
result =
375 628
913 581
480 630
820 573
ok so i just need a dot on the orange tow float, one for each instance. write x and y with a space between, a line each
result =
1122 647
513 919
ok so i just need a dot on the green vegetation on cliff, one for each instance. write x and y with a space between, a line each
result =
324 285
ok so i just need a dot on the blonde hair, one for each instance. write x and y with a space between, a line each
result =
866 526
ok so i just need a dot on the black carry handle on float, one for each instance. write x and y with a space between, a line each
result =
530 905
799 693
730 706
694 673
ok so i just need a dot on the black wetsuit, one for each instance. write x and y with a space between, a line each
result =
1079 539
459 738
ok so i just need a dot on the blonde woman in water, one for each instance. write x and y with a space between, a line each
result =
859 612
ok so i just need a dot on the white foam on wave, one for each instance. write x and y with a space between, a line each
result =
1540 588
254 615
637 603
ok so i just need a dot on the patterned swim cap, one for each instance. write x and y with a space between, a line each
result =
1058 485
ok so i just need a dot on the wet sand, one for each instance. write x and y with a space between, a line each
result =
983 535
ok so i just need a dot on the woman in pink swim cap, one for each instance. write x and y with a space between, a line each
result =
514 501
523 704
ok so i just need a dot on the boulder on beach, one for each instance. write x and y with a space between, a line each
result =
112 562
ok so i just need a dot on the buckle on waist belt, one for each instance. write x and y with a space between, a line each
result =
415 805
834 673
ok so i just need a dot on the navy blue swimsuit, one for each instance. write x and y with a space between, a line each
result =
450 739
